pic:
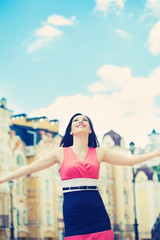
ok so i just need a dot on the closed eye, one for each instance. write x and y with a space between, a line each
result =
77 119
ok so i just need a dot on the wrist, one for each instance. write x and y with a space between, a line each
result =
158 153
1 180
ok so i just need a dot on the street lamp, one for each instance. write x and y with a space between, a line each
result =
12 227
132 150
17 224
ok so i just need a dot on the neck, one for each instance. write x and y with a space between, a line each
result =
80 143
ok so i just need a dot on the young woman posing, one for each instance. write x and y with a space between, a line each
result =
79 157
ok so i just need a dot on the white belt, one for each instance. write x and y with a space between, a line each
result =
79 184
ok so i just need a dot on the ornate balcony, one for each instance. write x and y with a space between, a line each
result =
4 221
117 228
129 228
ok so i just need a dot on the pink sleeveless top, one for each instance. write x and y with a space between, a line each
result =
73 167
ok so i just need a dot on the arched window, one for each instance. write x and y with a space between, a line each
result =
19 160
47 187
48 217
125 197
18 217
24 186
25 217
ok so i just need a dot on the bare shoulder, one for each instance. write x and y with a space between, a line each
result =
101 153
56 154
59 154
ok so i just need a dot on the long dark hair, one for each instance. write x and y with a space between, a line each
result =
67 139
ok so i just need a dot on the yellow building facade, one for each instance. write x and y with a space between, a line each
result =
119 185
147 198
37 211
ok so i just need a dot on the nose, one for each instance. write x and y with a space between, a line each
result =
80 122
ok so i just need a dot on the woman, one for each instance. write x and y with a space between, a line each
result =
79 157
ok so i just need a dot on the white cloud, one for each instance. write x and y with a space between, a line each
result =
48 31
120 79
153 6
59 20
34 46
113 78
123 34
47 34
103 5
154 39
130 112
97 87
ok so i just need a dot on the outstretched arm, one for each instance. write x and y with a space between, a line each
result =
38 165
122 159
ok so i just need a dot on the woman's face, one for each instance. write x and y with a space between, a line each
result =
80 124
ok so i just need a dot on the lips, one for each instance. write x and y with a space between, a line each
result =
80 125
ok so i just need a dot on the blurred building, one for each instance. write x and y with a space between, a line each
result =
36 207
5 160
149 186
147 199
116 181
153 144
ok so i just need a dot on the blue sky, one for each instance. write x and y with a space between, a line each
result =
98 57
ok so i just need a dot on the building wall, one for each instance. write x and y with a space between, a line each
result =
148 206
147 189
41 122
5 160
35 198
42 196
121 207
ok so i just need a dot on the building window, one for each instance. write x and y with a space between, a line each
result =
24 187
61 234
18 217
124 173
48 218
47 187
8 158
19 160
60 203
25 217
109 197
17 186
126 219
125 197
